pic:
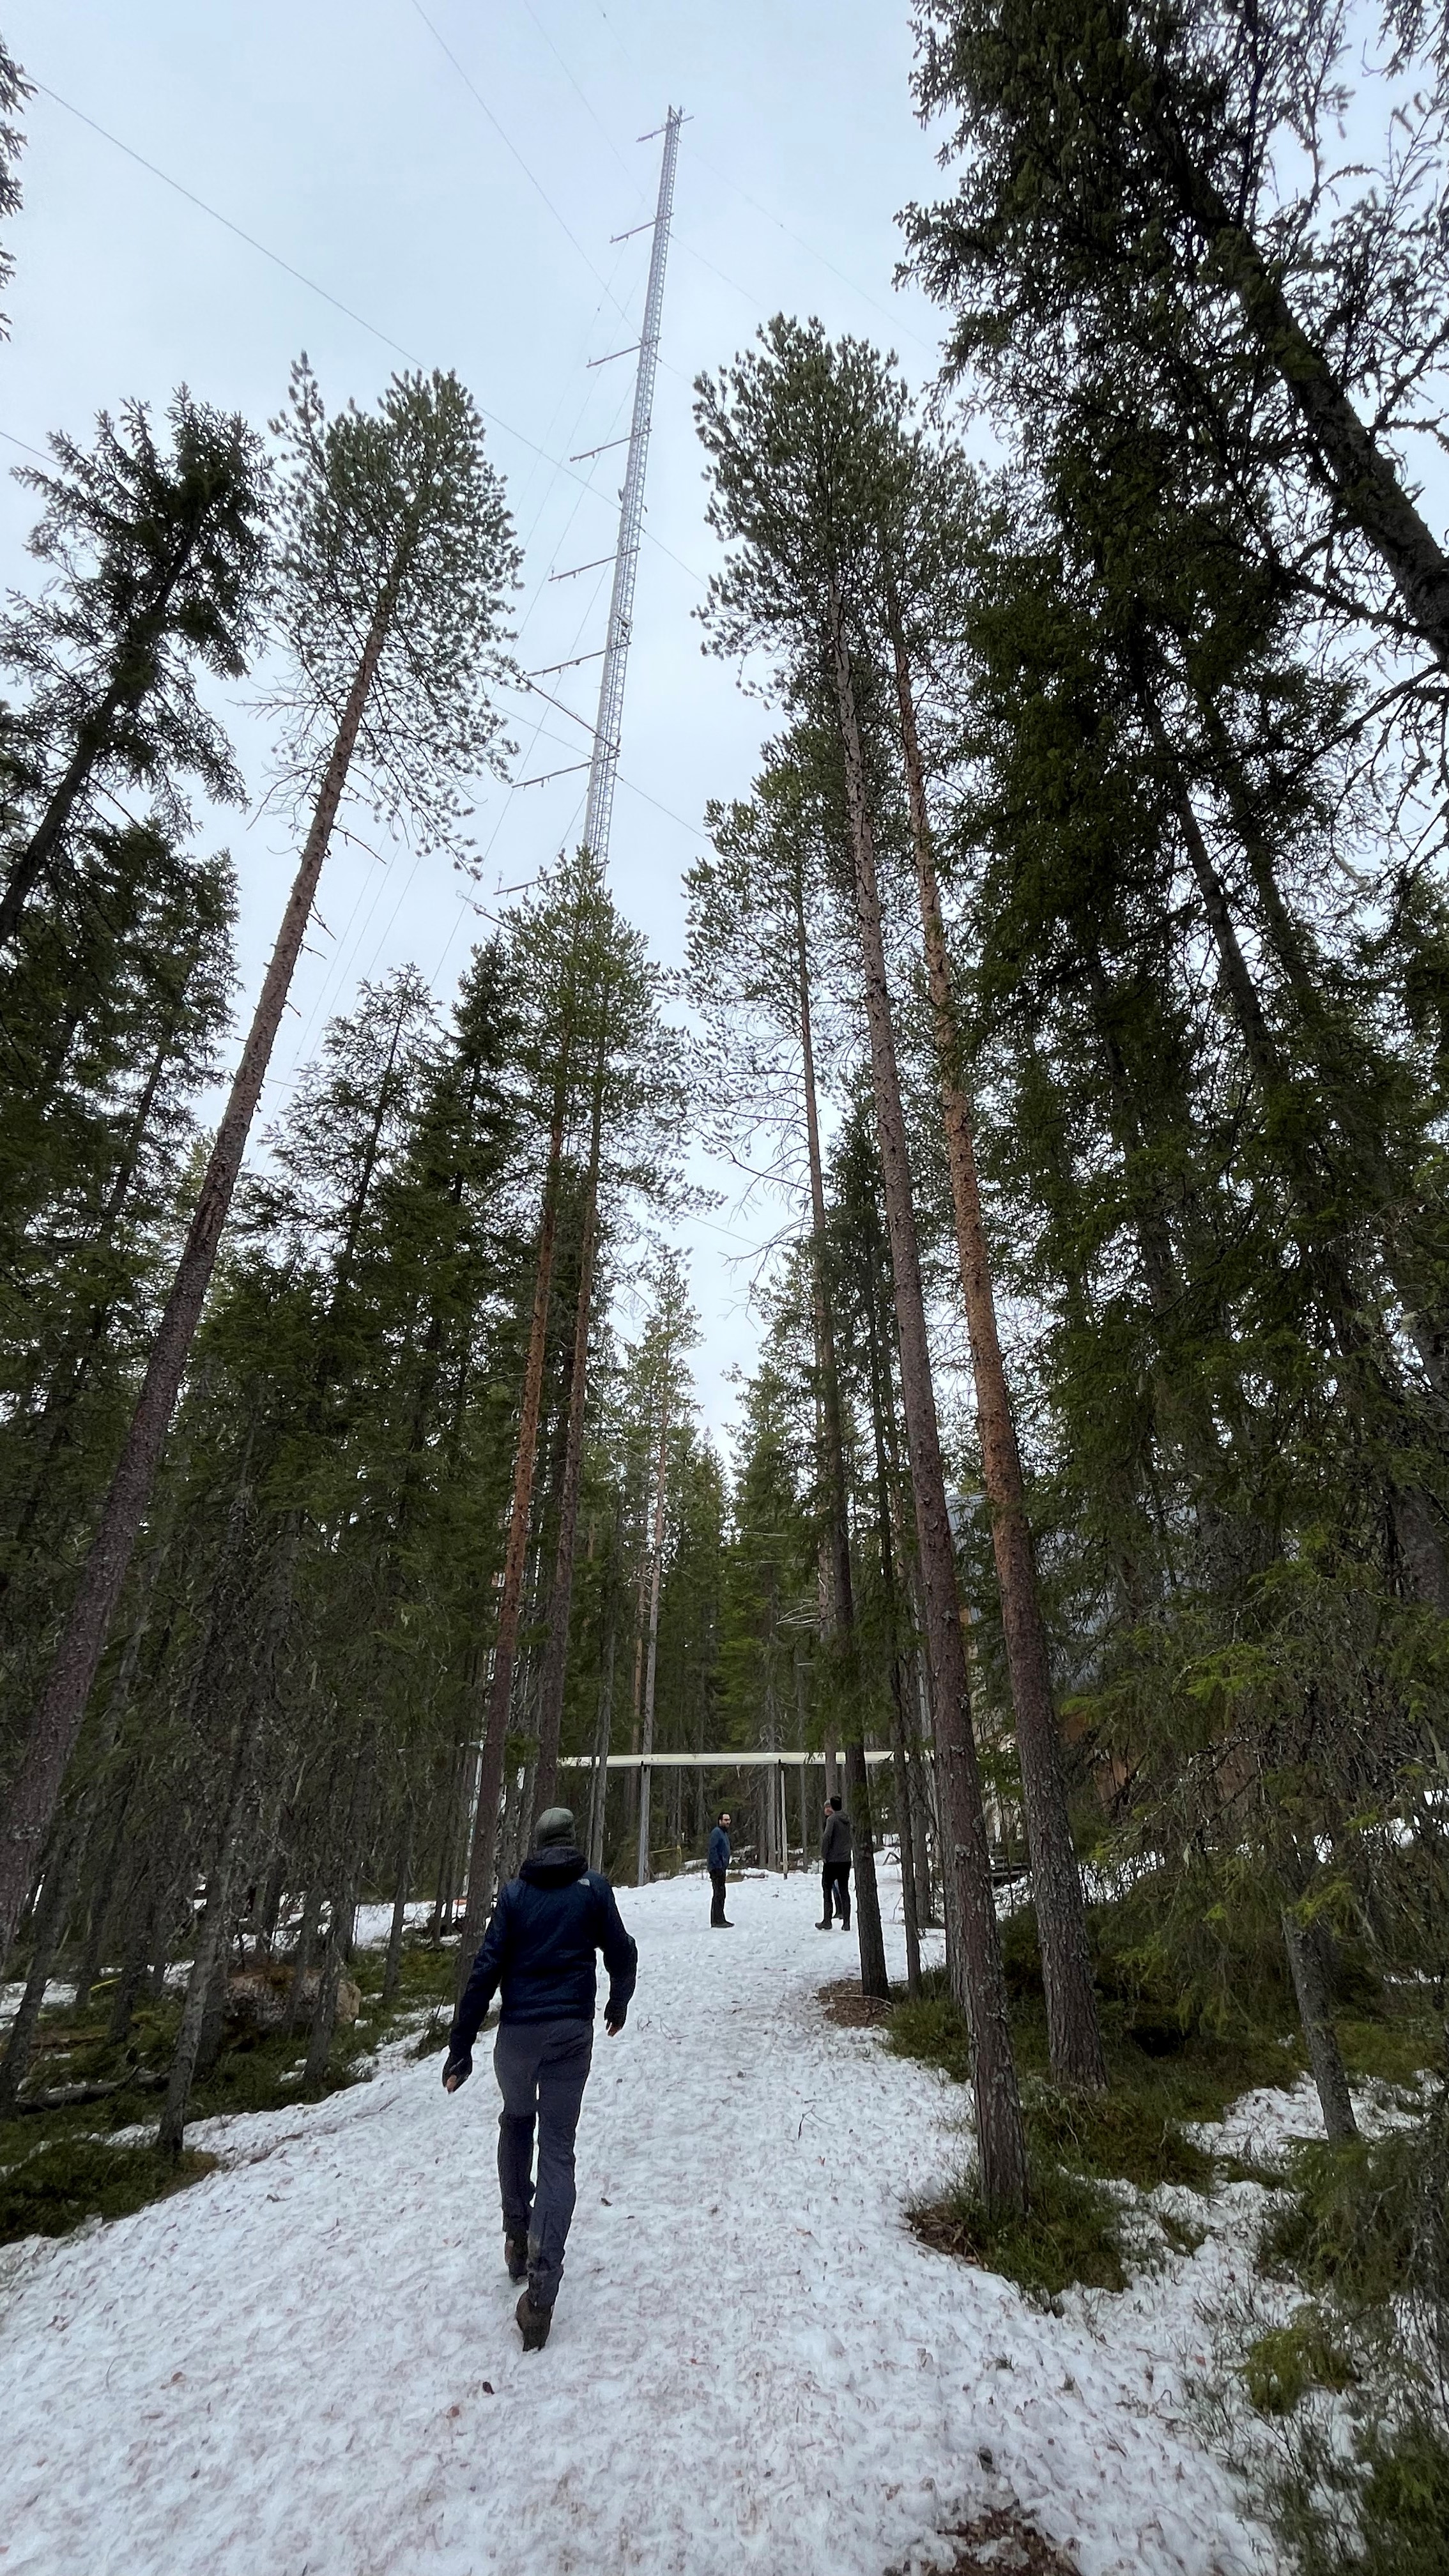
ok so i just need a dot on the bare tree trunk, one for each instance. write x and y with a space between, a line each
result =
910 1909
869 1934
604 1724
1306 1947
651 1658
49 1932
869 1930
982 1984
556 1651
339 1929
306 1946
62 1705
211 1934
213 2016
136 1958
484 1847
1074 2035
102 1900
393 1968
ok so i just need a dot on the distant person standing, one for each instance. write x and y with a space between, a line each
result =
719 1861
835 1867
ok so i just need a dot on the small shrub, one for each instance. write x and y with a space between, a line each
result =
71 2179
1405 2501
1279 2366
1383 2512
1352 2216
1071 2232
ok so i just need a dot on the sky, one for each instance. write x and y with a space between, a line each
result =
453 175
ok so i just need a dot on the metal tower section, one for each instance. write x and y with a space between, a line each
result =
604 767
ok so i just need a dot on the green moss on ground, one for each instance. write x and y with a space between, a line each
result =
1173 2066
1072 2232
65 2180
1137 2131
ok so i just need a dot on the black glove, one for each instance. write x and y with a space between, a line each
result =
615 2015
458 2068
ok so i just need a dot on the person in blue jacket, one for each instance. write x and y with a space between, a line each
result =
539 1948
719 1861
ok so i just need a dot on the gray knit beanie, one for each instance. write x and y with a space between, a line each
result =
555 1825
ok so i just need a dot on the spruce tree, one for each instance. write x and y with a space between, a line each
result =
157 560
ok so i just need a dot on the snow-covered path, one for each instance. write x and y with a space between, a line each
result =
306 2365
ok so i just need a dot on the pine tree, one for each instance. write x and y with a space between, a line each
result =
798 451
395 562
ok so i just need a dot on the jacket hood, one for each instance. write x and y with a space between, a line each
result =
558 1865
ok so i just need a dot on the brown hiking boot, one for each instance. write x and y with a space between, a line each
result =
533 2323
515 2255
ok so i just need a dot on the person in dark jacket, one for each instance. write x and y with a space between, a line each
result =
539 1949
719 1861
835 1867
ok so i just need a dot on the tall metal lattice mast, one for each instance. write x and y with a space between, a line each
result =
604 767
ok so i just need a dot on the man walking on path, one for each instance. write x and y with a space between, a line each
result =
539 1947
835 1867
719 1861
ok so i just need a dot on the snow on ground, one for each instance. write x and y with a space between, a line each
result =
306 2364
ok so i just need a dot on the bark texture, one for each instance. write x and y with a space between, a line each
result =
484 1846
1074 2035
556 1649
1307 1960
981 1984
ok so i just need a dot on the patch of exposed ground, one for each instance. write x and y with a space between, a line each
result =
996 2544
843 2003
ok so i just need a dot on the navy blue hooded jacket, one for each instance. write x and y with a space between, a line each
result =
719 1849
547 1924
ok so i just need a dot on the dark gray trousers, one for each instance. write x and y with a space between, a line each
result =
542 2068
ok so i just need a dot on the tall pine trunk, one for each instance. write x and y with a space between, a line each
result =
62 1705
484 1845
1073 2032
869 1935
651 1654
556 1650
981 1983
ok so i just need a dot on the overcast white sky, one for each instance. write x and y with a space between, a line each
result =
473 231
